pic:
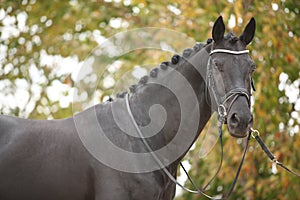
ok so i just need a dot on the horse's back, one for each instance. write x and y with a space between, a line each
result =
47 160
42 159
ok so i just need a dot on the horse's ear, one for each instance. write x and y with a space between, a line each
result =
249 31
218 30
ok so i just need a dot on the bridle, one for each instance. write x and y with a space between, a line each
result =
222 113
232 94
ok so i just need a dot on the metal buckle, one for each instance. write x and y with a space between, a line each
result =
254 132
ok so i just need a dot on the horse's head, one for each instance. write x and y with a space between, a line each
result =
230 71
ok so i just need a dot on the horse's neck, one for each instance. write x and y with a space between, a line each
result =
165 90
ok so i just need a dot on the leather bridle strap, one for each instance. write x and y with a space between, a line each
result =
236 175
256 135
239 169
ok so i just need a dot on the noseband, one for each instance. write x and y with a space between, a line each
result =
232 94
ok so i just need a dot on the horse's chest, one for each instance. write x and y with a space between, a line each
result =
150 186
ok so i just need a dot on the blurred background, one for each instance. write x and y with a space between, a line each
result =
43 45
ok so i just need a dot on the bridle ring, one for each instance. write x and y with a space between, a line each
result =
222 110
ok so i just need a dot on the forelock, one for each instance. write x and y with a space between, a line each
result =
231 37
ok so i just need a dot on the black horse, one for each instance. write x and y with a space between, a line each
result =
47 159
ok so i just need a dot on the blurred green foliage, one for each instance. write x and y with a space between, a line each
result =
68 29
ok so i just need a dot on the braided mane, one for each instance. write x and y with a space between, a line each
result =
164 66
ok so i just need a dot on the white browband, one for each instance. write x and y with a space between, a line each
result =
228 51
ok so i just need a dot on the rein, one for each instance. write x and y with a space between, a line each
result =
256 135
196 190
222 112
160 164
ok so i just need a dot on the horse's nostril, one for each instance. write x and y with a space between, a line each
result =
234 120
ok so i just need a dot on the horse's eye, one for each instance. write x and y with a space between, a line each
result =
218 65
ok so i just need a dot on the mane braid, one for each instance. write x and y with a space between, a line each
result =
175 62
